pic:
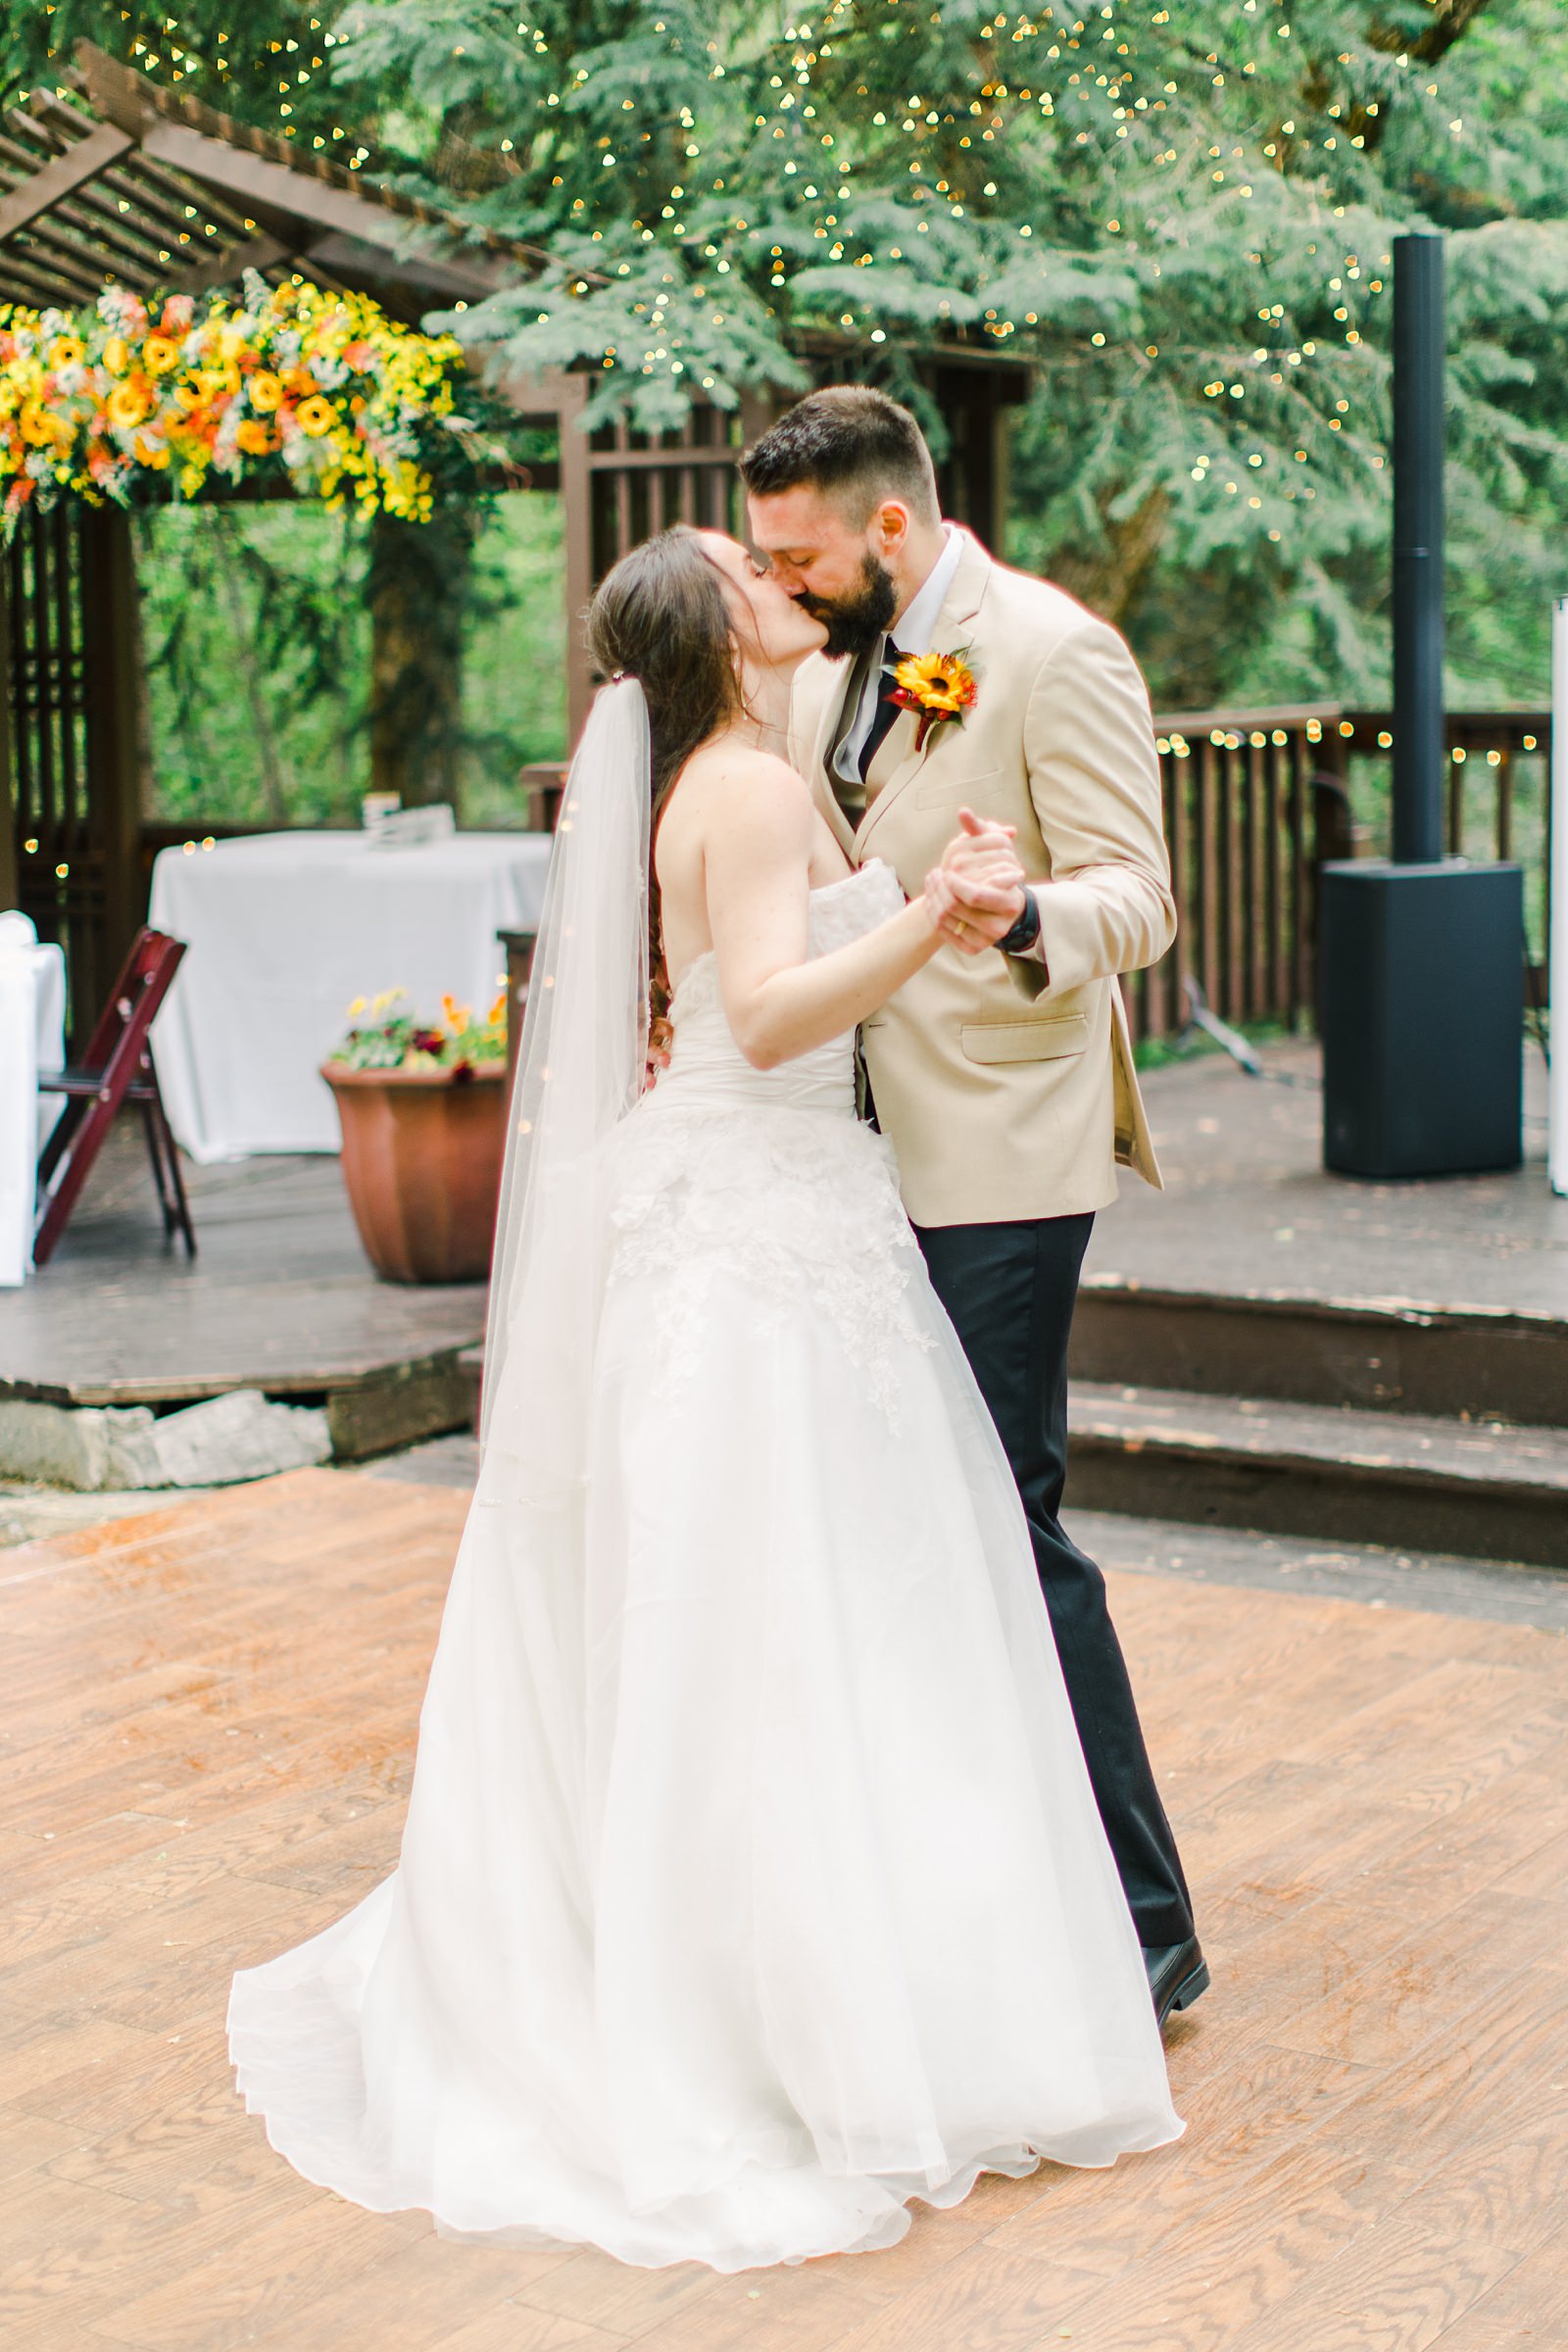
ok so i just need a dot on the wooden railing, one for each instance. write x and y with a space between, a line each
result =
1255 801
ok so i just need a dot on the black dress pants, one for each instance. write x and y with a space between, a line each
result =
1010 1291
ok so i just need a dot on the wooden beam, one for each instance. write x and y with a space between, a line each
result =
90 156
155 198
225 264
276 188
77 263
34 289
690 453
108 237
426 275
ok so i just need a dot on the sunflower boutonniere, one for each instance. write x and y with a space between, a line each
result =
939 686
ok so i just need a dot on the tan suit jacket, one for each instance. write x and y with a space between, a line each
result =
1007 1087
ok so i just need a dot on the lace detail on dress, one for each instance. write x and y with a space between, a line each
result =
730 1175
697 988
801 1209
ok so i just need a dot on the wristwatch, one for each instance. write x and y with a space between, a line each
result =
1025 931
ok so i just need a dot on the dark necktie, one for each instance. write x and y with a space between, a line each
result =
887 710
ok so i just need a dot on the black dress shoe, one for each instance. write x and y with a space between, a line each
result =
1177 1974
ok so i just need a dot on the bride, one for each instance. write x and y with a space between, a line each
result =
751 1883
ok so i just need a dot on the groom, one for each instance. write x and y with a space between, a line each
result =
1005 1080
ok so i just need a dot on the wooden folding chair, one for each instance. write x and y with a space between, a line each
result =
116 1068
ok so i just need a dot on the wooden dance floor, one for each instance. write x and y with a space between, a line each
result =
209 1714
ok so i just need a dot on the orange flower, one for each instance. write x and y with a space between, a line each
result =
254 437
150 453
159 354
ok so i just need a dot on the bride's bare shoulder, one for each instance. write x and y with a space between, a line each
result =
741 788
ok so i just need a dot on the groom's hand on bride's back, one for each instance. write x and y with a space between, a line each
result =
976 894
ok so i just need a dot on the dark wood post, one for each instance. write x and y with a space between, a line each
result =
114 774
577 501
10 850
517 948
416 590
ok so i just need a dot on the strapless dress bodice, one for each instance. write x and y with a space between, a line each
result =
708 1070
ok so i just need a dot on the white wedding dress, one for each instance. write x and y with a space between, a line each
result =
751 1883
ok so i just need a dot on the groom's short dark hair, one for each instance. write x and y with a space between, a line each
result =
850 443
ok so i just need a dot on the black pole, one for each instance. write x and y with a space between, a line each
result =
1419 749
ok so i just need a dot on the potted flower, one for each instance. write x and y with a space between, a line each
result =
422 1112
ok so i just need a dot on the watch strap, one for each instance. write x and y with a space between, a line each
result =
1025 931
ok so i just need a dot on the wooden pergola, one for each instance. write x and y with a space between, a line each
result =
114 179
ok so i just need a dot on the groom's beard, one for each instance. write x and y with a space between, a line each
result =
855 622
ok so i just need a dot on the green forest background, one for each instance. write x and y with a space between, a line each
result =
1181 216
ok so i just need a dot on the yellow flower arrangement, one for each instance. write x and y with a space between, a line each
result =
37 426
321 388
127 404
386 1034
939 686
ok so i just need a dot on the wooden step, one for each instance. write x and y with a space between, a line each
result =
1410 1481
1391 1356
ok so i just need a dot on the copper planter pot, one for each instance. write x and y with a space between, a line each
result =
422 1160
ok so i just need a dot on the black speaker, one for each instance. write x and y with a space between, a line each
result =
1422 1017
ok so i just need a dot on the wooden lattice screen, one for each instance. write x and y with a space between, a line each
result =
618 486
70 739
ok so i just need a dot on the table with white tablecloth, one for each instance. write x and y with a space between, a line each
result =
283 930
32 1031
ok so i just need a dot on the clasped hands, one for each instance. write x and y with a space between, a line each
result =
978 892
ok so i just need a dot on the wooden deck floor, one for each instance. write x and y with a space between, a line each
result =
280 1296
1248 1211
207 1732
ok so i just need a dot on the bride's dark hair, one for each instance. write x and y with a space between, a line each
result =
659 616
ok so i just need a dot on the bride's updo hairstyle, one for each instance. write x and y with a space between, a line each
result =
659 616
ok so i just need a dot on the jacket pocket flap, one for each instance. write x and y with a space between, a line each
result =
1043 1040
947 790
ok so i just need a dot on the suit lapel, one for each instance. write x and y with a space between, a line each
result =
814 745
898 762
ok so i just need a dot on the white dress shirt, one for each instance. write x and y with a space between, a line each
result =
912 633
